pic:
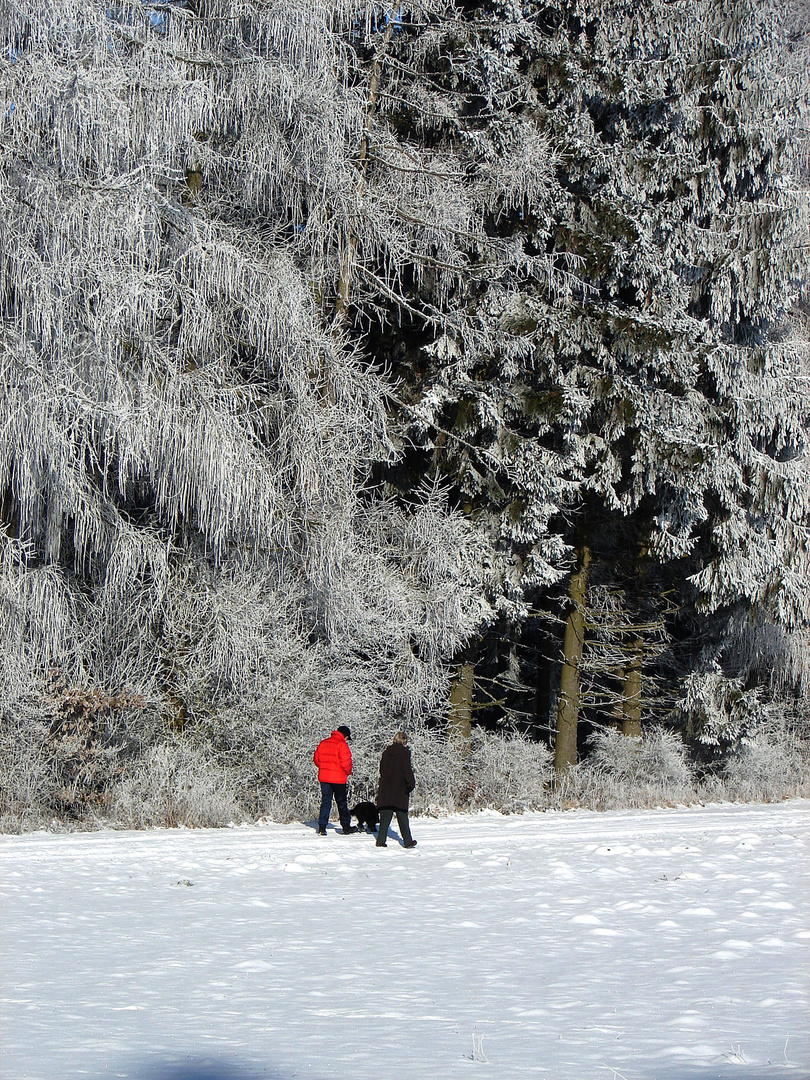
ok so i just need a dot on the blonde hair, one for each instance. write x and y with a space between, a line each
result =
401 737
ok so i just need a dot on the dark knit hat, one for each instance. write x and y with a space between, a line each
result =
345 732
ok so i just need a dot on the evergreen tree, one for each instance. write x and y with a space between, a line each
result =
638 366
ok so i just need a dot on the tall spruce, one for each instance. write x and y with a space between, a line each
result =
623 381
677 129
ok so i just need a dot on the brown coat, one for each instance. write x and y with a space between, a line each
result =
396 778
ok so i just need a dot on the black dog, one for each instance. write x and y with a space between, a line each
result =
366 814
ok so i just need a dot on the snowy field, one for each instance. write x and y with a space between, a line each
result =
643 945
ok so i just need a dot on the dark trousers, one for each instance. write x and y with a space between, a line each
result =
386 813
339 791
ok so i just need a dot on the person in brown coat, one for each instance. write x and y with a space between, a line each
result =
396 784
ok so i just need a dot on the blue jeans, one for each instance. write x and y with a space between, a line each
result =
339 791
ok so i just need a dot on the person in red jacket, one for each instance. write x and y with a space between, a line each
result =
334 760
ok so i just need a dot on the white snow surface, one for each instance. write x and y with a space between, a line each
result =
637 945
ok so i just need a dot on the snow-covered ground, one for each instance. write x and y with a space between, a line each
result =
645 945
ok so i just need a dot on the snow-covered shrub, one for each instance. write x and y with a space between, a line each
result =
508 772
773 763
217 774
248 663
624 770
659 756
175 784
27 784
62 750
494 770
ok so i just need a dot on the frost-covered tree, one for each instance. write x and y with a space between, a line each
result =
186 427
638 366
754 685
684 211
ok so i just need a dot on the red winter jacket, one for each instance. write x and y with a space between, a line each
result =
334 759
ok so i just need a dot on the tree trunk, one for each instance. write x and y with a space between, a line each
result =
565 744
459 724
